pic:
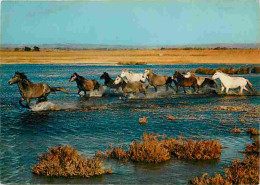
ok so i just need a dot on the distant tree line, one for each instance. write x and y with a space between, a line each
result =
26 48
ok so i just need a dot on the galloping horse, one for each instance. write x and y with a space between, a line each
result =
157 80
129 87
109 82
30 90
132 77
84 84
229 82
184 82
202 81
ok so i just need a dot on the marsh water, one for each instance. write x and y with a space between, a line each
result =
91 124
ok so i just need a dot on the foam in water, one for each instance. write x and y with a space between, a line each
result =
97 93
43 106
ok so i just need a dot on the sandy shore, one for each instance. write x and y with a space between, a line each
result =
112 57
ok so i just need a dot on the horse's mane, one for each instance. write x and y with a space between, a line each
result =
80 77
222 73
23 76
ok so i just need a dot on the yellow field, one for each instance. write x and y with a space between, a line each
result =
131 56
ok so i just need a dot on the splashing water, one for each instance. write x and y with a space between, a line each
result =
43 106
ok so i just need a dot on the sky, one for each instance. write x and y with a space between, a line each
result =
130 23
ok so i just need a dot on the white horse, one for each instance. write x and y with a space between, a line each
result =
232 82
132 77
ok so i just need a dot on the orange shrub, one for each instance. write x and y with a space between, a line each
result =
194 150
66 161
252 131
245 172
253 148
154 148
236 130
150 149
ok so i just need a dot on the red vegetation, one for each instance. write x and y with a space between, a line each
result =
253 148
143 120
66 161
154 148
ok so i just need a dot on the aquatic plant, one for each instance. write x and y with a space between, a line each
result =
236 130
190 149
150 149
155 148
143 120
252 148
252 131
239 172
66 161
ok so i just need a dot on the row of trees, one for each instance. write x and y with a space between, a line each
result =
26 48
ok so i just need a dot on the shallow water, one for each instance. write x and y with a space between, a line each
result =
91 124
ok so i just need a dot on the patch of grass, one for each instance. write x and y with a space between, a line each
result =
66 161
155 148
252 148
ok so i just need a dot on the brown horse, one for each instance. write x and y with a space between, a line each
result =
84 84
30 90
157 80
184 82
109 82
130 87
202 81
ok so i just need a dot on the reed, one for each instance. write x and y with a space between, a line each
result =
143 120
66 161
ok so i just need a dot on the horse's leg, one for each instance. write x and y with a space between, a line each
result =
184 89
79 92
20 102
227 90
85 93
28 103
222 88
178 87
155 88
246 89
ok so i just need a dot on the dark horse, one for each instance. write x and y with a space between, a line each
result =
184 82
109 82
30 90
84 84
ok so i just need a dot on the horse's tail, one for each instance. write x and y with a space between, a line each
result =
250 85
54 89
96 84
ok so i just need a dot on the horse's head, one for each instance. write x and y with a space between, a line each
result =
16 78
176 74
73 77
118 80
187 75
124 73
216 75
104 75
146 73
